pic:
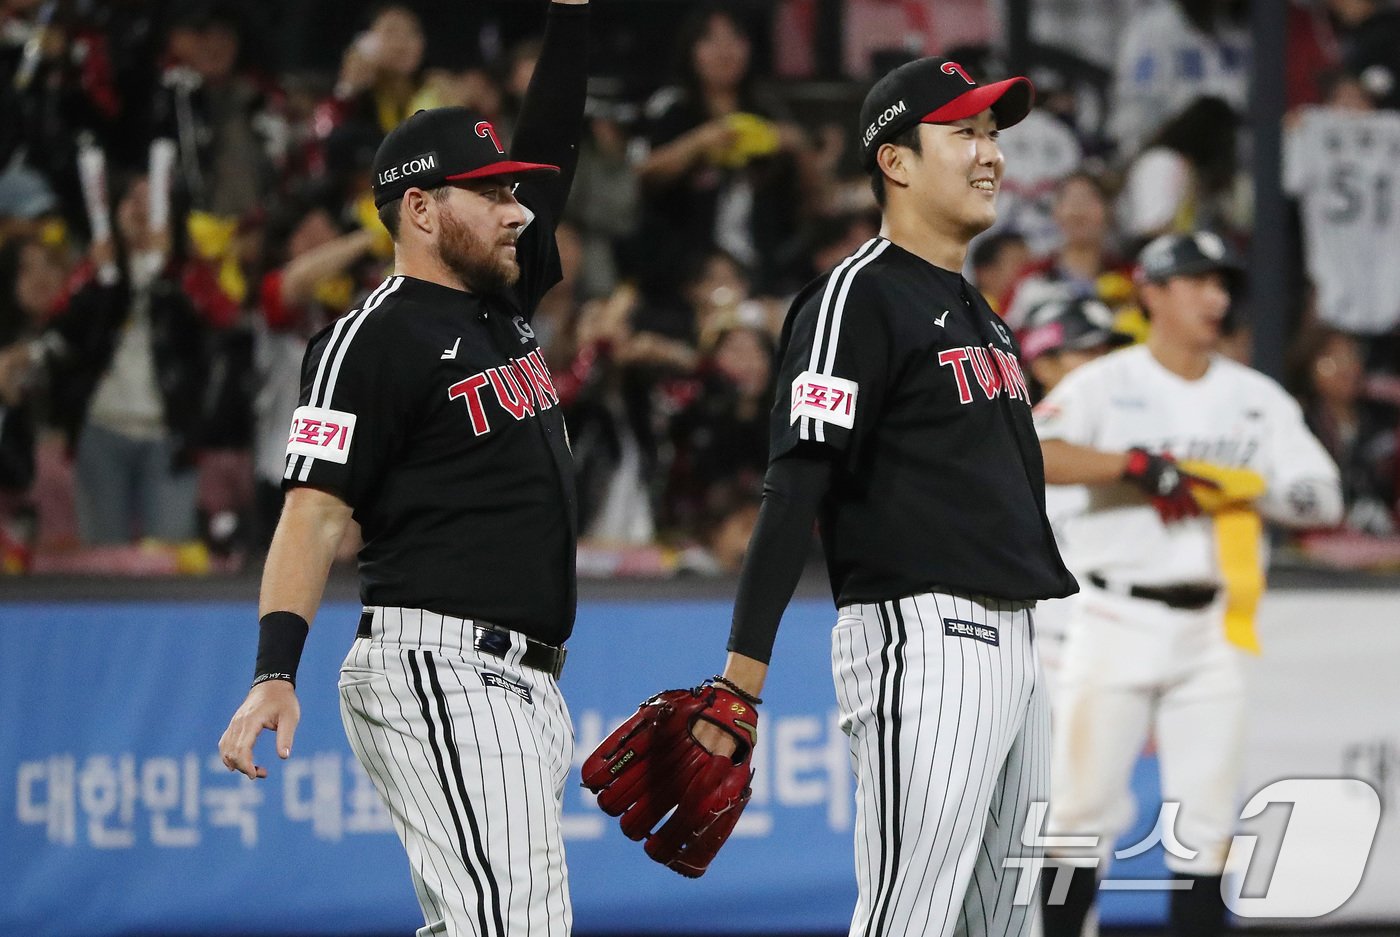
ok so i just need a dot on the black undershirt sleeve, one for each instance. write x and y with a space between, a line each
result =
793 491
551 117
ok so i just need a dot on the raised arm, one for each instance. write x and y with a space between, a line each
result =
551 119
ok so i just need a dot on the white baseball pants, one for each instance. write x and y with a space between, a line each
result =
950 743
470 753
1132 665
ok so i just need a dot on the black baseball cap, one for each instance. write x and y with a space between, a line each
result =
1174 255
442 145
935 91
1069 324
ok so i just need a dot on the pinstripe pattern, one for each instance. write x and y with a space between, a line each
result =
828 330
949 741
323 386
472 775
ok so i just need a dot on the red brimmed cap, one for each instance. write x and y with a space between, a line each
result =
935 91
442 145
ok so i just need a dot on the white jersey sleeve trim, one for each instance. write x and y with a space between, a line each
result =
323 387
828 330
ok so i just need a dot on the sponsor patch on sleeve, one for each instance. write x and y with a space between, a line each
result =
825 398
321 433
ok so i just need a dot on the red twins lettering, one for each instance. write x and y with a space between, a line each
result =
995 372
521 388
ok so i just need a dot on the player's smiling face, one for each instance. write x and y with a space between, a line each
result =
478 226
958 173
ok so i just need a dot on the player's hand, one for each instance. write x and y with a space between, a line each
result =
1166 485
713 739
269 705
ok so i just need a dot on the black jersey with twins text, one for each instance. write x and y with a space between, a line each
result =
430 411
904 369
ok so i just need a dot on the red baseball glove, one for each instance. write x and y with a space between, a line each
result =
652 763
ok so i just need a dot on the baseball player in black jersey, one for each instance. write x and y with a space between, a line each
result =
429 416
903 424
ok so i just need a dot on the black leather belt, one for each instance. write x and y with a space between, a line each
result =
495 640
1186 596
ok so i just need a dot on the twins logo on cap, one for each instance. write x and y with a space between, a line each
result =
935 91
439 146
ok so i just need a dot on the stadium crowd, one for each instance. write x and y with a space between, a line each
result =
180 211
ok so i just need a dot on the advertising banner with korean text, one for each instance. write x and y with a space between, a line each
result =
119 819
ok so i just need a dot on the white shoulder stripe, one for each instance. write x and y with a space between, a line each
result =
804 426
840 308
316 385
829 321
350 337
832 284
344 333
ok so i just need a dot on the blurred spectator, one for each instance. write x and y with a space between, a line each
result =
127 370
605 202
1186 177
610 431
1084 264
324 271
1358 432
225 124
997 261
1311 51
1040 151
557 313
832 240
1351 231
1172 53
31 280
378 74
719 164
1369 34
720 437
27 203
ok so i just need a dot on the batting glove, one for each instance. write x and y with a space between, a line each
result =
1166 485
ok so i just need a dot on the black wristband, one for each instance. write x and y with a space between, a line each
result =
281 636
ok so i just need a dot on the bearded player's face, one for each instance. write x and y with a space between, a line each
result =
478 226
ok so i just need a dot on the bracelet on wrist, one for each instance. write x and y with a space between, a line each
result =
737 690
281 637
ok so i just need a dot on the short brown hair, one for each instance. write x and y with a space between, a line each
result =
389 211
908 137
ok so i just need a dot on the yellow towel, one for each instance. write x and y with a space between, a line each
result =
1238 530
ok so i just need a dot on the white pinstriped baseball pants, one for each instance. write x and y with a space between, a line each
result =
470 753
950 743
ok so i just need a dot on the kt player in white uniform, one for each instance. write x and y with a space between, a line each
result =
1154 639
429 416
903 423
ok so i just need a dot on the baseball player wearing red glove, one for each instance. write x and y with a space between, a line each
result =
903 425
